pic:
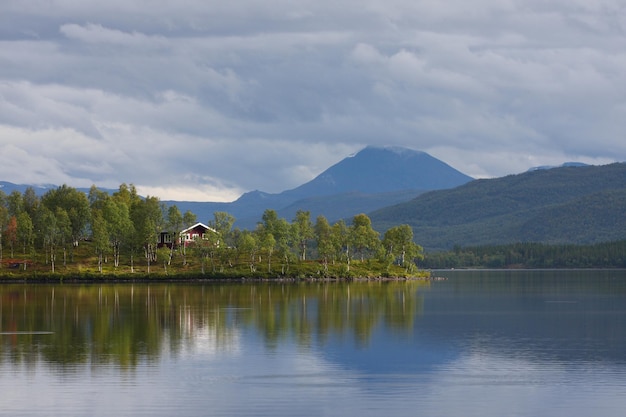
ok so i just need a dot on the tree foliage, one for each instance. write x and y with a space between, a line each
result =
531 255
122 225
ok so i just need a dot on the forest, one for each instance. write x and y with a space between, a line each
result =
531 255
72 233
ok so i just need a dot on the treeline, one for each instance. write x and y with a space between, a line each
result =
123 229
531 255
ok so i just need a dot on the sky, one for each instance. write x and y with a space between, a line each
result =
204 100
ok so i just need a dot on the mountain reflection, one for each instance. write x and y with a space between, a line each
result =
67 325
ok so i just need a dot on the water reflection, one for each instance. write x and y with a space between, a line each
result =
479 344
67 325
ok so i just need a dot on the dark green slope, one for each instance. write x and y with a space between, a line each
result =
564 205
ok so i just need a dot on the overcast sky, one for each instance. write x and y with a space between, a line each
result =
204 100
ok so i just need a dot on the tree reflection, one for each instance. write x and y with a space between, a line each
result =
69 325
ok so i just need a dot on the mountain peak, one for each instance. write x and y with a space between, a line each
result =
398 150
383 169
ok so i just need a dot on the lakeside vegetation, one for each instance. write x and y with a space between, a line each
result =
531 255
67 234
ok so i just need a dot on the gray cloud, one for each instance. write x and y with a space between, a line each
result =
211 99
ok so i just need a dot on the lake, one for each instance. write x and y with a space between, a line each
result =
480 343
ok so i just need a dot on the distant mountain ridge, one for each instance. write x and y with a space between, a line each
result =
571 204
40 189
374 177
9 187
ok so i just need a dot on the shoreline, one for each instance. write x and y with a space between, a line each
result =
172 279
209 280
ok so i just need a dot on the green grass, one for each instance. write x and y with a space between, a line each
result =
84 267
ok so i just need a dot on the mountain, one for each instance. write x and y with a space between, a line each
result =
571 204
373 178
381 170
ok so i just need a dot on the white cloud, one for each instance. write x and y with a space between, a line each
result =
212 99
95 33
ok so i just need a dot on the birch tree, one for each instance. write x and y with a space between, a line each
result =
400 247
4 218
76 205
173 227
364 238
25 234
100 236
324 237
302 230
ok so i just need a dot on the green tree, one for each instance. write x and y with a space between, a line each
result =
400 247
302 230
15 203
364 238
267 243
324 235
100 236
206 247
147 218
115 214
49 233
25 234
281 230
76 205
222 223
64 231
128 195
4 218
165 254
248 245
11 233
173 227
342 242
189 219
133 239
30 201
120 227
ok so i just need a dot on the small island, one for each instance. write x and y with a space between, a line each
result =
68 236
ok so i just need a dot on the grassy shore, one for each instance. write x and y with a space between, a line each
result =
82 266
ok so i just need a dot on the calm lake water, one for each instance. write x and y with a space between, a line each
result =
477 344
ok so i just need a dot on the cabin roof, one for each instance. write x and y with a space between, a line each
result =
195 226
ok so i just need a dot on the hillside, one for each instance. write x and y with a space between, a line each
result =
580 205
